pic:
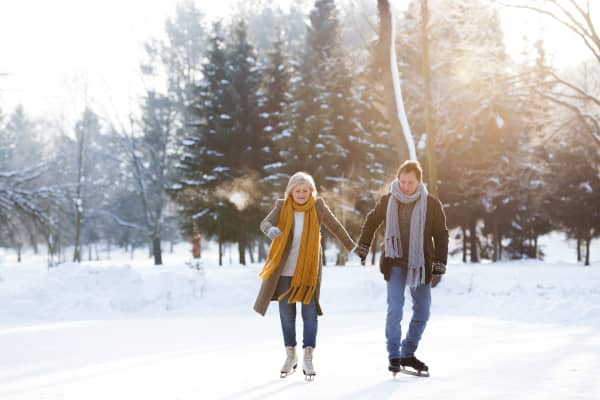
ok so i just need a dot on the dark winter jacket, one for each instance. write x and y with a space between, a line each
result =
327 220
435 242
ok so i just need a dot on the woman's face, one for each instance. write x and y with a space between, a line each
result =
301 193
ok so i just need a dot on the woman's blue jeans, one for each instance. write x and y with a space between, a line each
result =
287 314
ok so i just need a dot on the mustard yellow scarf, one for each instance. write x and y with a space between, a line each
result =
304 281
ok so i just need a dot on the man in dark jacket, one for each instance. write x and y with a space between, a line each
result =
414 254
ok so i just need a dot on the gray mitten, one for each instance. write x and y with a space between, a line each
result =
273 232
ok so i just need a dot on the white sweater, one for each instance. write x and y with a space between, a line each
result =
290 263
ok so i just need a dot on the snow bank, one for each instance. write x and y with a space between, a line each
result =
83 291
528 291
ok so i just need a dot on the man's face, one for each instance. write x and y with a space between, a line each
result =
408 183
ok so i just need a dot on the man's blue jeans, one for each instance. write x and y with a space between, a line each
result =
287 314
421 298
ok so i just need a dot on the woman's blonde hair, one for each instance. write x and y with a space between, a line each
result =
300 178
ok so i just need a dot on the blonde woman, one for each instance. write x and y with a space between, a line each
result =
292 272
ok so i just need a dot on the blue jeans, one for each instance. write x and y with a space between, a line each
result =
287 314
421 298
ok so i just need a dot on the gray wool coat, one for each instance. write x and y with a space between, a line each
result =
326 218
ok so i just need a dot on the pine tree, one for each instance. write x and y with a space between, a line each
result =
277 74
248 157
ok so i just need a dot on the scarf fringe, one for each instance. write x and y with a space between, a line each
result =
303 294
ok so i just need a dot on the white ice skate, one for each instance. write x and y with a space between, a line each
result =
307 365
291 362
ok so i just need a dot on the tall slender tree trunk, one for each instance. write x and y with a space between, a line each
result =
496 240
33 242
374 249
78 200
242 248
220 251
262 251
156 250
578 248
323 252
428 114
588 241
473 241
394 107
251 253
464 243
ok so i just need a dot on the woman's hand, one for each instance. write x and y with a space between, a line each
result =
273 232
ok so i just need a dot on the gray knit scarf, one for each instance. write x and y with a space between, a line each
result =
393 241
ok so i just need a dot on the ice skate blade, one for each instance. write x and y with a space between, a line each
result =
308 377
420 374
286 374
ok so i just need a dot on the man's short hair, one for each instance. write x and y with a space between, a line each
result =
411 166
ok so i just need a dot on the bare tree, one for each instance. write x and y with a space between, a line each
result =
576 16
386 60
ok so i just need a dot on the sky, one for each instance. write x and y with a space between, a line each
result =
59 56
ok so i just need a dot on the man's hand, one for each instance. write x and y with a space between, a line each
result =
438 269
361 251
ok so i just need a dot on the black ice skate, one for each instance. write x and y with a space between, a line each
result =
412 366
394 366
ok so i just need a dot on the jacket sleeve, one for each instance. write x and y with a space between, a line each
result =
373 221
333 225
440 233
272 218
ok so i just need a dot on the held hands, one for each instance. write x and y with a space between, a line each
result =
361 251
273 232
438 270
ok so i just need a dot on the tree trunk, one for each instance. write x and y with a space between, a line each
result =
33 242
220 251
323 252
19 253
578 248
242 248
473 241
386 58
77 246
89 252
251 254
341 257
464 244
496 241
500 245
262 252
373 249
588 241
428 114
156 250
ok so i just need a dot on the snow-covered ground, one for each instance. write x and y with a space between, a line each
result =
124 329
